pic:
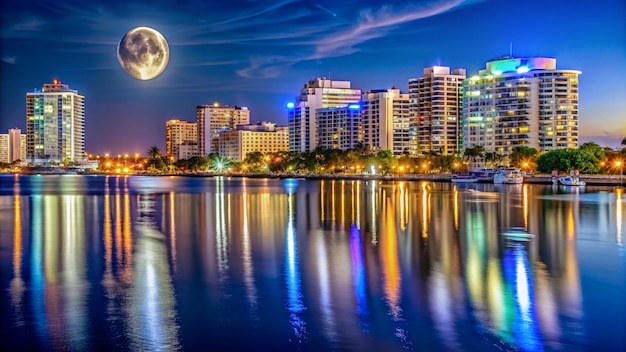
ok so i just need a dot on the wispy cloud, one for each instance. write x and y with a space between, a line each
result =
344 38
9 60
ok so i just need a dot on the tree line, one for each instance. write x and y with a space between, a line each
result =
589 158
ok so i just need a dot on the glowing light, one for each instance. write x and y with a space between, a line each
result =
496 72
290 105
523 69
354 106
475 78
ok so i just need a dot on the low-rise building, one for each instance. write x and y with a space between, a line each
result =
263 137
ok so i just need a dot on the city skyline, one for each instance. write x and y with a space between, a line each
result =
260 57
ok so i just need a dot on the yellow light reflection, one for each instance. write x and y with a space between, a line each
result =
322 204
17 284
390 263
455 194
248 265
525 205
618 196
425 209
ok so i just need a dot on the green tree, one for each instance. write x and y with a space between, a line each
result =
521 154
154 152
598 152
568 159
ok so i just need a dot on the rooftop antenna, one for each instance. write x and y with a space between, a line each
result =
511 50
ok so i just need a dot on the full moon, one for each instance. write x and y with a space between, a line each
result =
143 53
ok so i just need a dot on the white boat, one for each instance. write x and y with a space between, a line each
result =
518 235
508 175
464 179
571 181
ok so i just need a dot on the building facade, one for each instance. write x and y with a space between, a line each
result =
213 119
521 102
386 120
55 124
436 110
339 128
316 94
13 146
181 139
263 137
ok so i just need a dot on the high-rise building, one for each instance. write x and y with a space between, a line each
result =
436 110
263 137
12 146
4 148
339 128
386 120
181 139
521 102
213 119
317 94
55 124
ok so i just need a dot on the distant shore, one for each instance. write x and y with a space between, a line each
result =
592 180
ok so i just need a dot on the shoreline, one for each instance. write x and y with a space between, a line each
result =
592 180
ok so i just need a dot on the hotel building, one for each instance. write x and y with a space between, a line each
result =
339 128
436 110
181 139
263 137
521 102
213 119
386 120
317 94
55 124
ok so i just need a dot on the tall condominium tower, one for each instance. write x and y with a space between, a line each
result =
436 110
302 115
386 120
212 119
181 139
521 102
55 124
339 128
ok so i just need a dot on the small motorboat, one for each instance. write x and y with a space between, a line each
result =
518 235
464 179
508 175
571 181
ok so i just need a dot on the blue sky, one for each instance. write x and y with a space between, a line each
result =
258 54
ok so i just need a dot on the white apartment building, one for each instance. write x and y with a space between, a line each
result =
521 102
55 124
213 119
316 94
436 110
339 128
181 139
263 137
13 146
386 120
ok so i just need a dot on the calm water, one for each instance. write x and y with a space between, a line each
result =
149 263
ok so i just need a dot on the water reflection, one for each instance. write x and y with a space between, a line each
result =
224 263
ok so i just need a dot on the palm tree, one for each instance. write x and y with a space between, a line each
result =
624 142
154 152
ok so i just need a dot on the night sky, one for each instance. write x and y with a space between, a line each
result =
259 54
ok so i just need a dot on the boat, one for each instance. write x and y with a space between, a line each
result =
571 181
464 179
483 175
483 194
508 175
518 235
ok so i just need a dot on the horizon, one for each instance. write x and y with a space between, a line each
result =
260 57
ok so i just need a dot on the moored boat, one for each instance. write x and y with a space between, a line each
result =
572 181
508 175
464 179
